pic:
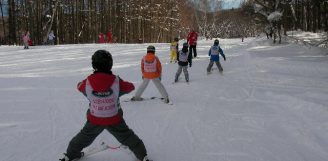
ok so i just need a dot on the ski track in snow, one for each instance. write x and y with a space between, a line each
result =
270 104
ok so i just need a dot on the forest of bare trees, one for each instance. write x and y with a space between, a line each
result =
285 15
80 21
131 21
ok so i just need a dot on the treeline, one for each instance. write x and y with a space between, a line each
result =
284 15
309 15
81 21
133 21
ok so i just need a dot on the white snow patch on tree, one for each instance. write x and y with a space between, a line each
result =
257 8
275 16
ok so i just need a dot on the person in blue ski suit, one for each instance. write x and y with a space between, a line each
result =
215 53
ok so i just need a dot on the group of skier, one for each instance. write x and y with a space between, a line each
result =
183 57
103 89
27 41
101 37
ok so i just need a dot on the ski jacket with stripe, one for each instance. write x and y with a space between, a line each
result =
215 53
103 90
151 67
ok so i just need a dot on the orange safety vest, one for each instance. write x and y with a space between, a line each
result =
151 67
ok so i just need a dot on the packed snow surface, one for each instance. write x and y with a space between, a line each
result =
270 104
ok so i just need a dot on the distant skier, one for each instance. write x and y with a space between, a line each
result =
26 39
192 41
109 36
174 47
215 53
183 60
51 38
103 89
151 69
101 38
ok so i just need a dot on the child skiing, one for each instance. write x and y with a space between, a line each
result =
214 53
183 60
103 89
173 50
151 69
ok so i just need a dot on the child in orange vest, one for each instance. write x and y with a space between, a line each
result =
151 70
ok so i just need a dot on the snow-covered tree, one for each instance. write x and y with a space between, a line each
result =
273 11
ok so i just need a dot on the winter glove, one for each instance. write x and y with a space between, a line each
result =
189 64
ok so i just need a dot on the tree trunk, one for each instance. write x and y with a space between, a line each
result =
325 15
12 23
45 38
3 21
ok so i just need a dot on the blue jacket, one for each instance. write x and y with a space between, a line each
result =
214 52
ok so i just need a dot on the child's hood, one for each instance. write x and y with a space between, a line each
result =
101 82
150 57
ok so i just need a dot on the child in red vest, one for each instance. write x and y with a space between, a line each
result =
103 89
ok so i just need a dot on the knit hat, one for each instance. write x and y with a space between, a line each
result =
216 42
185 47
151 49
102 60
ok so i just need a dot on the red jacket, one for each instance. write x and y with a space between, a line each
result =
101 38
101 82
192 38
109 37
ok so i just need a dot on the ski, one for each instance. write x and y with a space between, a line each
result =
102 147
179 82
142 99
147 99
213 69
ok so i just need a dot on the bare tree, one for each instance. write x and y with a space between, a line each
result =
3 20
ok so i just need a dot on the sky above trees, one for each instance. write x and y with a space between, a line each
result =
228 4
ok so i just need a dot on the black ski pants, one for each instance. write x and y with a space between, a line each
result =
192 48
121 132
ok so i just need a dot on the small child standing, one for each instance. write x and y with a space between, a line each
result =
173 50
183 60
103 89
214 53
151 69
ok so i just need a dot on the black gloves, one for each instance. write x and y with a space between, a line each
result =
189 64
